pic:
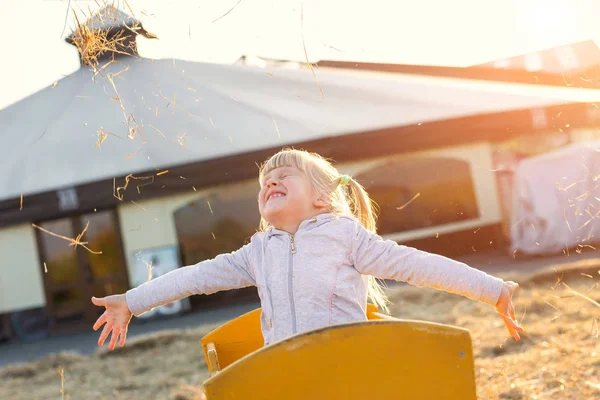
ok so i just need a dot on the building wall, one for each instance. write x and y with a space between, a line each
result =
21 281
148 224
584 135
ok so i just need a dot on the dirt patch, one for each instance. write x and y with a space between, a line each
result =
589 268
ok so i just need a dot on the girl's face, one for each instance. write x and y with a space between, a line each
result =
287 198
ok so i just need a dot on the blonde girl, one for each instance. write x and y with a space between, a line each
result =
314 260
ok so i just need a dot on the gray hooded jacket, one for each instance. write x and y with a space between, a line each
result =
316 277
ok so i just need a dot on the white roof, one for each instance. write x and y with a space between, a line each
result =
207 111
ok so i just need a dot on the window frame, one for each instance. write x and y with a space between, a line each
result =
479 158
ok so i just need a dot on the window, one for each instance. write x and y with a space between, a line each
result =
428 191
533 62
567 58
218 223
221 222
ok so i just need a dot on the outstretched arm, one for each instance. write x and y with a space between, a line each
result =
387 260
226 271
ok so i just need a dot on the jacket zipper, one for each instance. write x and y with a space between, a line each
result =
292 244
291 283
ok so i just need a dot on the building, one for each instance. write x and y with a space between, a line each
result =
165 160
575 65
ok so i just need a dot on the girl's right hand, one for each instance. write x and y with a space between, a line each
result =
116 317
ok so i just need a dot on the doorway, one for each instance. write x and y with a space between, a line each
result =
72 274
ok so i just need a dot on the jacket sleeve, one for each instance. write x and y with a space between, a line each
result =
224 272
386 259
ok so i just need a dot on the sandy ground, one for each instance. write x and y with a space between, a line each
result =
557 358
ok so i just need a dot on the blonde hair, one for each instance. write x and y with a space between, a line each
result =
344 195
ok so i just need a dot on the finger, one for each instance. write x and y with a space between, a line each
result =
104 334
100 321
113 338
123 337
513 322
99 301
513 332
512 328
511 310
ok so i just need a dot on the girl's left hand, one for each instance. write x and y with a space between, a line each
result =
506 309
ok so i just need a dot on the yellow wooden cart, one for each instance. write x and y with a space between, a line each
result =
382 358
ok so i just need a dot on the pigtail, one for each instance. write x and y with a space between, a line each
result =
361 206
364 210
